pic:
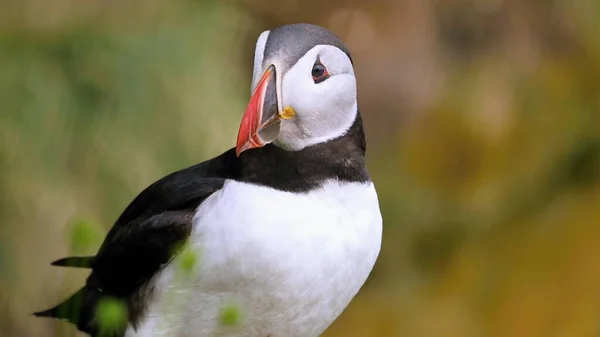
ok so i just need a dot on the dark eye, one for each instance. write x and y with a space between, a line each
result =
319 72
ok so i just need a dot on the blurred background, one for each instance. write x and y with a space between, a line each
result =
483 129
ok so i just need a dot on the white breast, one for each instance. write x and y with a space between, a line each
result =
288 263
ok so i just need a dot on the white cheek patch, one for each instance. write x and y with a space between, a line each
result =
325 110
259 54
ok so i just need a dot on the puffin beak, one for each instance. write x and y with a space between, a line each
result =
261 122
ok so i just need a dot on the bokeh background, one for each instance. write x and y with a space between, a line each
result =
483 129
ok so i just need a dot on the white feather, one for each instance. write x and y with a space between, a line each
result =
290 262
259 54
324 110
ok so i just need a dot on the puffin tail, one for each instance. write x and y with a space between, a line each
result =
75 262
77 309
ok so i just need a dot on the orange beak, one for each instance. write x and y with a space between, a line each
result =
260 123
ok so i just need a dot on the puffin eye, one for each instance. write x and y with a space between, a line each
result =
319 72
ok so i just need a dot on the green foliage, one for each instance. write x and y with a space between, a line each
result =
230 315
188 259
3 266
111 315
85 236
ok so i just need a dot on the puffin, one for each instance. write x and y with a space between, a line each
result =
286 226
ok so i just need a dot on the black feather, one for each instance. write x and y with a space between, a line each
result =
77 309
75 262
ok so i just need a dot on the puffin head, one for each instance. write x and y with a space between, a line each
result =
303 90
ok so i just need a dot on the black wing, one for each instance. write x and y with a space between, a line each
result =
144 238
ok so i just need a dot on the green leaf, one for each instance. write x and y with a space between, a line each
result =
84 236
188 259
111 315
230 315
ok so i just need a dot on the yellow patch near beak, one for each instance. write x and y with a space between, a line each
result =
287 113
